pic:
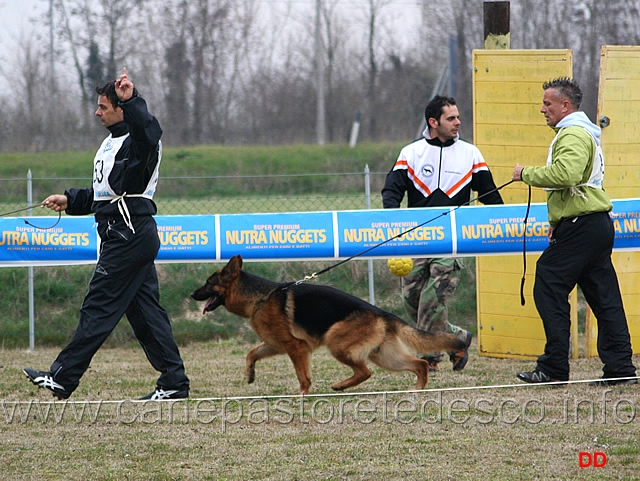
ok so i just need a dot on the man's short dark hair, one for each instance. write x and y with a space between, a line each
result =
567 88
435 107
109 91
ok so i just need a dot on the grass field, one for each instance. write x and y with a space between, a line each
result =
478 424
197 172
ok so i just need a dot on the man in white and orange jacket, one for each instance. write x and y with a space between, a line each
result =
437 170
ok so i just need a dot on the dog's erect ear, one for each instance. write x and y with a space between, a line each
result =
234 266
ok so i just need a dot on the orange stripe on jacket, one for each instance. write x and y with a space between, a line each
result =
459 184
418 182
480 166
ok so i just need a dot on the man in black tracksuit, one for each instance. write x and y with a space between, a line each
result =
125 176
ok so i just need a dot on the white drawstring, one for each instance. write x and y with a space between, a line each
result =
124 210
573 191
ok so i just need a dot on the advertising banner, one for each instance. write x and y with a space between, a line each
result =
71 240
501 229
377 233
298 235
186 238
626 222
409 232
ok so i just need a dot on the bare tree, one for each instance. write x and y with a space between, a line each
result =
278 102
230 71
343 99
240 42
176 71
85 26
374 9
31 81
35 122
68 34
209 22
460 20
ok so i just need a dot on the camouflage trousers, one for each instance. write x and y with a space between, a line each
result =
426 291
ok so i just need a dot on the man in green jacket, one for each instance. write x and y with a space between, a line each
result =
580 242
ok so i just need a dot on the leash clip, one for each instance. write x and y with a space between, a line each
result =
306 278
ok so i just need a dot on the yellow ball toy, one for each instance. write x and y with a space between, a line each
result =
400 267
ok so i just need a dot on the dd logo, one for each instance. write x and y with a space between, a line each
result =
598 459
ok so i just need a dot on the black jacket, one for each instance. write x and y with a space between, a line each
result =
136 161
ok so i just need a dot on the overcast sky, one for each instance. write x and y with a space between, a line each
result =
15 14
14 26
14 18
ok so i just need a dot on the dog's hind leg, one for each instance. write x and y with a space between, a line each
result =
254 355
393 356
351 342
360 371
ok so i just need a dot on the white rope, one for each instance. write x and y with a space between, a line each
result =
124 210
345 394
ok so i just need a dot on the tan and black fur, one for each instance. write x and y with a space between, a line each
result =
296 319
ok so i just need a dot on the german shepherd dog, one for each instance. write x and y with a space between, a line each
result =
296 319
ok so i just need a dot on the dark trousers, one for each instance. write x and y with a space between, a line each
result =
580 253
124 282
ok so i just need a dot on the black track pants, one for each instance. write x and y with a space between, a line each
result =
580 253
124 282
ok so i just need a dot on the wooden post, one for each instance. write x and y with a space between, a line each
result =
496 25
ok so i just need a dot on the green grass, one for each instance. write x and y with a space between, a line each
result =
223 205
460 428
195 172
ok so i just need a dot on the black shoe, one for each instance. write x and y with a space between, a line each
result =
613 382
161 394
459 364
45 380
536 377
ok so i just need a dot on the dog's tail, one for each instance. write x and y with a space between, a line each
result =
423 342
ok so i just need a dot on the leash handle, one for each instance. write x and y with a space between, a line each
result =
21 210
45 228
29 223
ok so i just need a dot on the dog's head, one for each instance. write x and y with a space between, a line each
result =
217 287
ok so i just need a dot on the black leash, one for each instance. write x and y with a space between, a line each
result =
524 249
316 274
5 214
20 210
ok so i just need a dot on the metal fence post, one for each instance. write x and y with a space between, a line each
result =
32 337
367 193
